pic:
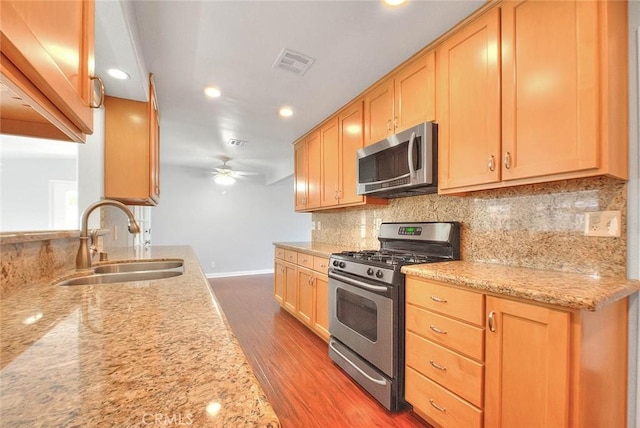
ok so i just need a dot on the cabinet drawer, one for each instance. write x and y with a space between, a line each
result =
454 302
279 253
320 264
451 370
305 260
291 256
438 404
456 335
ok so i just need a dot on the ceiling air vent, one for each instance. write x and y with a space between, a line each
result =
236 143
293 61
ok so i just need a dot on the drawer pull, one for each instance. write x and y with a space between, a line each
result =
492 321
438 299
437 366
437 330
435 406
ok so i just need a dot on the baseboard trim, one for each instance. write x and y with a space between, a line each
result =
238 273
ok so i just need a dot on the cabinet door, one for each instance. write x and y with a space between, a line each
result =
154 142
321 305
47 58
351 140
330 162
414 90
378 113
279 280
468 100
527 365
314 173
549 87
305 296
300 175
290 288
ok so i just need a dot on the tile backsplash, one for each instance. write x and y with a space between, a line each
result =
539 226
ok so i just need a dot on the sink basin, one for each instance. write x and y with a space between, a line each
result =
129 272
139 266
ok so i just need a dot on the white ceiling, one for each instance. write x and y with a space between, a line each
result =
233 44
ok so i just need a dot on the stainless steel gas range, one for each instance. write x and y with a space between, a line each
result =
366 303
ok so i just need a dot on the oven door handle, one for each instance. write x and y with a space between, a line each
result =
374 380
356 283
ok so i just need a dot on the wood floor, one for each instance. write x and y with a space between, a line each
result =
291 363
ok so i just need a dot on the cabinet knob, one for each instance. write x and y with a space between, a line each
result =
101 83
492 321
491 163
507 160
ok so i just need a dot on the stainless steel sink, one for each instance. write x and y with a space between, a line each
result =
128 272
138 266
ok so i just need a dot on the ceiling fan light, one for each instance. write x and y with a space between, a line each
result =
212 92
225 180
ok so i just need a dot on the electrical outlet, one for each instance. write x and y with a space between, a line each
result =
602 223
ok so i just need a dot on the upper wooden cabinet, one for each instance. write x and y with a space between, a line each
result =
46 68
544 101
404 99
468 111
325 163
307 164
132 150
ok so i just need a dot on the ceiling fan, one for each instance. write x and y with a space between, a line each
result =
226 175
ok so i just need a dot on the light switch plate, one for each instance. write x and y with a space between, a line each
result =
603 223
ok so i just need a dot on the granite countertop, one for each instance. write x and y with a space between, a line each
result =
316 248
568 290
130 354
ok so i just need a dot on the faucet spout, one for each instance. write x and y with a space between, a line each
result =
83 259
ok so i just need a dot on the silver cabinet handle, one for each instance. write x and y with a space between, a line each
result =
507 160
492 163
437 330
101 102
492 321
438 299
395 122
389 125
437 366
435 406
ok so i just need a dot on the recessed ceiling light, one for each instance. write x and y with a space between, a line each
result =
394 2
212 91
285 112
117 74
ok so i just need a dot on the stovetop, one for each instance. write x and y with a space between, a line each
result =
390 258
401 244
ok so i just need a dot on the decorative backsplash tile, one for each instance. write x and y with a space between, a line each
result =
538 226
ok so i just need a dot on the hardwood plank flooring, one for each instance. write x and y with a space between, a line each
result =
291 363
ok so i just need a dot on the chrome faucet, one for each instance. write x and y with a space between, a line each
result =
83 259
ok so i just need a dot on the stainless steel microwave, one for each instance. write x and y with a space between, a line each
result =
404 164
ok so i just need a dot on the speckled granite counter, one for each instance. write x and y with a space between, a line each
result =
569 290
316 248
130 354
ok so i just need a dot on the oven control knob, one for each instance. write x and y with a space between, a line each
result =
343 265
370 272
379 274
336 263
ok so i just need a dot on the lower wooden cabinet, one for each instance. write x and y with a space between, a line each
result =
538 365
301 287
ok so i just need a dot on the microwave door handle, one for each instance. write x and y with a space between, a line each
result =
412 140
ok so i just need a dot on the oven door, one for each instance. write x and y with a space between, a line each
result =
361 316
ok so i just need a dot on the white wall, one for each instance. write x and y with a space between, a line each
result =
91 169
233 226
